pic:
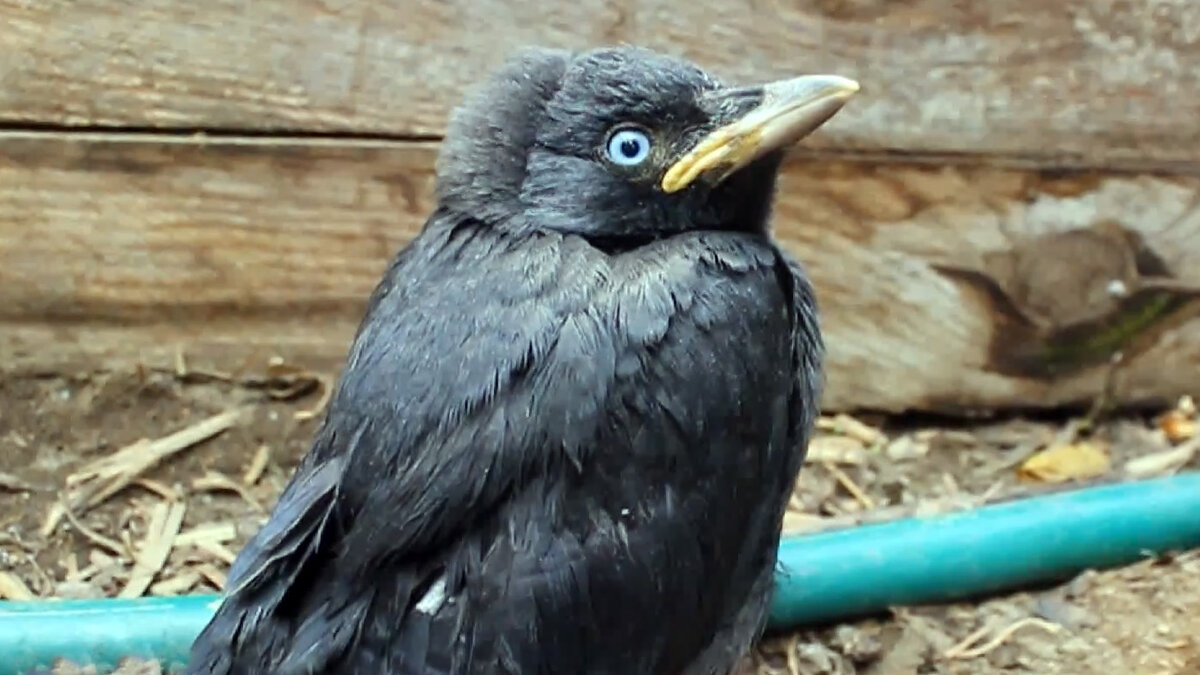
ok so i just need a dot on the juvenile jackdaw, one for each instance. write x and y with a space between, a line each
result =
571 418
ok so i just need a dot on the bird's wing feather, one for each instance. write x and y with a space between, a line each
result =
808 357
461 389
421 437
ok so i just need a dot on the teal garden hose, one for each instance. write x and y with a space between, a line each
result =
822 577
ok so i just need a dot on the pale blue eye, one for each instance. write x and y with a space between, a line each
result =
628 147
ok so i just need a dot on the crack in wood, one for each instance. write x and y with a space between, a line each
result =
199 134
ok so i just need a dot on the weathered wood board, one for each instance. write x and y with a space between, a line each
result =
942 287
1095 82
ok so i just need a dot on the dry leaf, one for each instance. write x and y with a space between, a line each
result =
1058 464
1177 426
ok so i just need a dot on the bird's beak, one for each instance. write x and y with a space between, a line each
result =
789 110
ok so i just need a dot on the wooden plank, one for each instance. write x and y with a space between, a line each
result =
177 227
942 288
1091 82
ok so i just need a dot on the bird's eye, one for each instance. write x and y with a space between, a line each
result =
628 147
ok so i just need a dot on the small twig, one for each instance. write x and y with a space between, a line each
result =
963 649
1068 434
12 588
258 464
951 485
112 545
793 655
11 483
213 576
41 577
281 382
846 482
218 482
218 532
176 585
1103 402
216 551
992 492
105 477
326 387
84 574
181 368
836 450
164 526
936 507
54 516
184 373
159 489
1167 461
848 426
70 564
963 645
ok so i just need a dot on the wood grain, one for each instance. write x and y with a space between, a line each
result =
942 288
1091 82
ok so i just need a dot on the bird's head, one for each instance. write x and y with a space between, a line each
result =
625 144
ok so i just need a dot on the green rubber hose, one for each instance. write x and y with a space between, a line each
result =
822 577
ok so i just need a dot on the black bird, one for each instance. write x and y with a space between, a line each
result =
571 418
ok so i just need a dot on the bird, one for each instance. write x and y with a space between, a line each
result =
571 417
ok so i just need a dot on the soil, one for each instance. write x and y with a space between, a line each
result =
1142 619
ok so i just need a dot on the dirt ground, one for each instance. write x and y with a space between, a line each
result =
185 516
